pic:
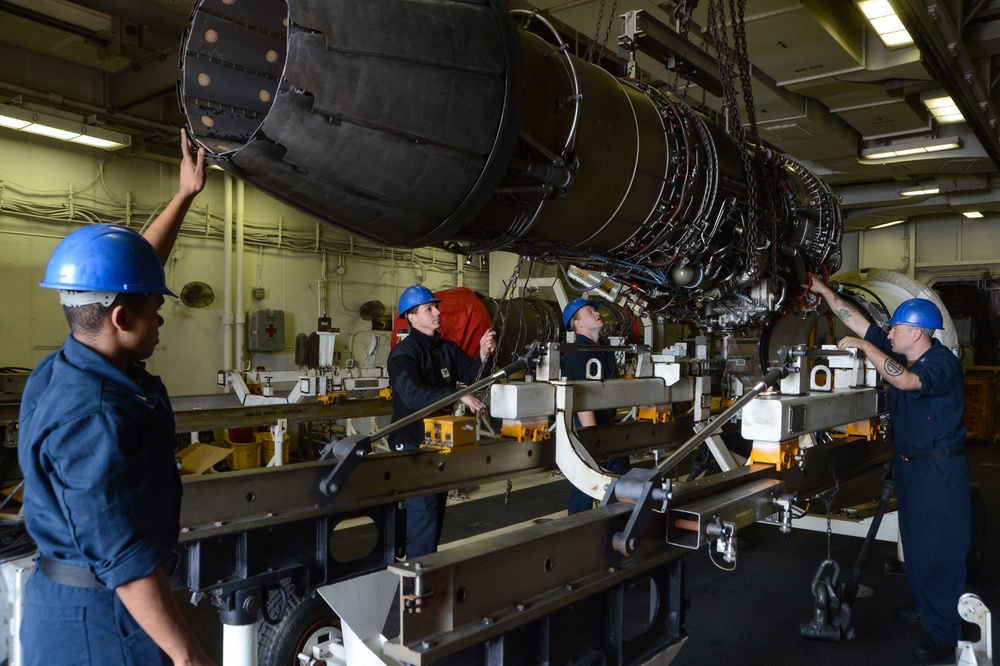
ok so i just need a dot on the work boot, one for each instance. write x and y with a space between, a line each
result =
907 614
933 651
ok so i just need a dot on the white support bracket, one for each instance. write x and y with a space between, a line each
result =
573 459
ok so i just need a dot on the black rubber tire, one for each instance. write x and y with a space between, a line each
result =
279 644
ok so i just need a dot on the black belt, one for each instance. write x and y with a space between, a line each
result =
931 455
67 574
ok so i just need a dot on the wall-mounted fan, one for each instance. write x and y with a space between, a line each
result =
197 295
374 311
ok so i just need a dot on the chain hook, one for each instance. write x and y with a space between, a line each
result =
682 13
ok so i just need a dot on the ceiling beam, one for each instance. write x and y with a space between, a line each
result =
939 39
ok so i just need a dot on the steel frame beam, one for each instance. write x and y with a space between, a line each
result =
487 598
939 38
474 600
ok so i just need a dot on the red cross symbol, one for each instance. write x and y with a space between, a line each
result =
270 330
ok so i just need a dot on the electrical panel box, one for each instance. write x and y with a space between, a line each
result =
266 330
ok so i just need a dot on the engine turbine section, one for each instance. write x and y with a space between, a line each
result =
444 122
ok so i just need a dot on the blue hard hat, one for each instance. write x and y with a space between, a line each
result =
414 296
918 312
572 308
106 258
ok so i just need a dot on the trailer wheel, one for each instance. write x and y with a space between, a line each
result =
307 622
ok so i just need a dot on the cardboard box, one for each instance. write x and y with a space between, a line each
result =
198 458
982 403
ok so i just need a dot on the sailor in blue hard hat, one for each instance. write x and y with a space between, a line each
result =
918 312
419 302
423 369
103 260
102 492
911 333
926 400
582 317
107 265
572 308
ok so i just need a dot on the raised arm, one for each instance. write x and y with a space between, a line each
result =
162 232
846 312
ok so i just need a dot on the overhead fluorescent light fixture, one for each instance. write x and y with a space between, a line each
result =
886 224
12 121
919 191
972 214
944 110
885 22
914 149
24 120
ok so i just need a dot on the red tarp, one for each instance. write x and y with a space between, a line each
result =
464 319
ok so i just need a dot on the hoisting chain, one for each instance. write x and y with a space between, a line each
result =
592 48
588 56
770 187
503 310
500 326
682 15
828 497
607 31
725 56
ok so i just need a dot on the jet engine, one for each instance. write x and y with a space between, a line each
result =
463 125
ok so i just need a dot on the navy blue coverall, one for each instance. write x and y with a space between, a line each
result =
574 367
101 498
932 484
422 370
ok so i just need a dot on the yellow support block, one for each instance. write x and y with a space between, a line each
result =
656 413
536 431
781 455
868 429
337 397
449 432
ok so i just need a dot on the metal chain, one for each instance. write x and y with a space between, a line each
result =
725 56
597 33
704 45
751 163
770 187
607 31
682 15
503 309
499 325
828 497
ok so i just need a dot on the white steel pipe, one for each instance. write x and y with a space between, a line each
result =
239 645
241 314
227 274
